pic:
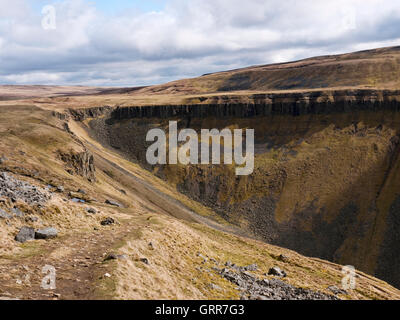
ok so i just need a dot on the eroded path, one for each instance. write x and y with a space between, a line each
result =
78 261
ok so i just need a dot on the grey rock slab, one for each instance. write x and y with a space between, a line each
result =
113 203
25 234
275 271
46 233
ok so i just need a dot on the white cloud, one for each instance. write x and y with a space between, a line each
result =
187 38
33 77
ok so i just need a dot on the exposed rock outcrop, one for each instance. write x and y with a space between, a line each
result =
260 105
60 115
15 189
80 163
84 113
253 288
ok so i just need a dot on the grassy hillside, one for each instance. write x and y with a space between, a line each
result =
379 68
183 257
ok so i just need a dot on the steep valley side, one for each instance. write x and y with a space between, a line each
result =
326 180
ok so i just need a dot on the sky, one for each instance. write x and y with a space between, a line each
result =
135 43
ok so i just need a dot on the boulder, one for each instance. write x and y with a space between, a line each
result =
25 234
275 271
107 222
91 210
47 233
113 203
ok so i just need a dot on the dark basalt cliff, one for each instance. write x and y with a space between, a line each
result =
327 174
318 102
84 113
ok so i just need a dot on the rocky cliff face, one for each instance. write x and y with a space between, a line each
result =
327 176
80 163
84 113
259 105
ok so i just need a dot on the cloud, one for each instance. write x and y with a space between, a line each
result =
184 39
